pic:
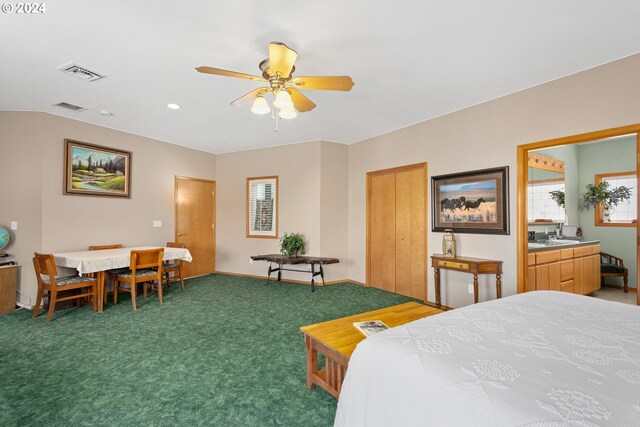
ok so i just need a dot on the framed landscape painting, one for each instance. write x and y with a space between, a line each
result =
472 202
93 170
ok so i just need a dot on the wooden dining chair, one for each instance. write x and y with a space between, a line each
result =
145 266
109 273
46 273
173 268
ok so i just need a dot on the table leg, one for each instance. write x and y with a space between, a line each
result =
279 272
312 361
313 273
269 273
100 277
436 275
475 288
498 286
322 275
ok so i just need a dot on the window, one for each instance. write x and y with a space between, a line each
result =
541 205
626 212
262 207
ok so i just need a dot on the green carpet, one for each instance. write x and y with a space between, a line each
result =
225 352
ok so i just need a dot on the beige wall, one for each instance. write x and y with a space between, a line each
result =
487 136
302 172
31 190
334 207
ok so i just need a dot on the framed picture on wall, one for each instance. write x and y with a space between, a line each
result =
93 170
471 202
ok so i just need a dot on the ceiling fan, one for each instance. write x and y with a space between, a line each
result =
277 72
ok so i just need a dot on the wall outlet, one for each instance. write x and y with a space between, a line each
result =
470 289
14 225
157 224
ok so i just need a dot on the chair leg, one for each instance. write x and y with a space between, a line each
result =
52 304
105 292
181 279
133 295
36 308
144 289
626 283
167 278
115 291
160 289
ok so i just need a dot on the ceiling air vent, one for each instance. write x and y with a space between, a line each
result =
71 107
80 72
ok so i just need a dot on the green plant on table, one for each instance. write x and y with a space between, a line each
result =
292 244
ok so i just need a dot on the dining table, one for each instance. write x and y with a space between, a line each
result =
100 261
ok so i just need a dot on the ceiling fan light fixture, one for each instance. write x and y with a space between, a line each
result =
283 100
260 106
287 112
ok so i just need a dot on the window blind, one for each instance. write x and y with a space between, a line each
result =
262 207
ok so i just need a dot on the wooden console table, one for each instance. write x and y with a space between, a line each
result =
470 265
336 340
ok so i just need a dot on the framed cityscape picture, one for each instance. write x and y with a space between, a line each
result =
471 202
93 170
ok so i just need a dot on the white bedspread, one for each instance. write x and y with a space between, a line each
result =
535 359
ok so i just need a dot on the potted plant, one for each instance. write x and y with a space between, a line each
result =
292 244
606 198
558 197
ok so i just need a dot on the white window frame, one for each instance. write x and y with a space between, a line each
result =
254 184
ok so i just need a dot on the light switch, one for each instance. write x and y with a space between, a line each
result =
14 225
157 224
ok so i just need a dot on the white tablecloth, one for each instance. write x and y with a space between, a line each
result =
108 259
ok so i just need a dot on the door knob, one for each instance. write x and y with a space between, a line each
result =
180 234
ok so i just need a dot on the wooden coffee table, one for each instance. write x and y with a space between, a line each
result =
336 340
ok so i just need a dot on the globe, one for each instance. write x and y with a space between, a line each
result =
5 237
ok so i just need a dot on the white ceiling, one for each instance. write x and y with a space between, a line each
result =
410 60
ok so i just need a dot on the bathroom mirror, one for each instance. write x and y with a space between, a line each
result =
545 175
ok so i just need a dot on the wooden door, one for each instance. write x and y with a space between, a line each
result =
383 232
397 230
410 231
195 205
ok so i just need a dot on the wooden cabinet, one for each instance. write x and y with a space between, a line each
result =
8 281
575 270
587 274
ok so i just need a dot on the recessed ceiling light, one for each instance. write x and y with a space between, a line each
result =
106 113
173 106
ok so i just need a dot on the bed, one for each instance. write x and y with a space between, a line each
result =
534 359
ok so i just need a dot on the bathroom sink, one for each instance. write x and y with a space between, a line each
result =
536 245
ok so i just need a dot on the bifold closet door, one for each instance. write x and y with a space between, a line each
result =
383 232
398 232
410 233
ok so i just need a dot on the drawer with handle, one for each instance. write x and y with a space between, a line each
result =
453 264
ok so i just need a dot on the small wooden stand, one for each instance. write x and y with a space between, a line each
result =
470 265
8 281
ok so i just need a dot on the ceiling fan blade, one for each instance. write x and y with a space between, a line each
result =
343 83
250 97
281 59
219 72
301 102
